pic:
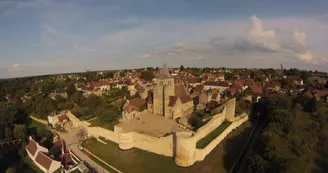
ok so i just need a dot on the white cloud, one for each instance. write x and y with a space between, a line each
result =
306 57
145 56
17 67
273 46
260 37
300 37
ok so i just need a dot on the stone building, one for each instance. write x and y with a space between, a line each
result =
169 99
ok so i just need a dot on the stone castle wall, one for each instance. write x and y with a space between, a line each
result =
202 153
181 145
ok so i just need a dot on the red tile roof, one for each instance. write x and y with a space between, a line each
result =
256 89
320 93
181 92
58 144
172 101
32 147
99 83
198 88
62 117
67 158
43 160
137 102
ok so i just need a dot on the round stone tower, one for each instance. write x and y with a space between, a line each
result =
185 149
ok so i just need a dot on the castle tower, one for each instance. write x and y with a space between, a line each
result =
163 89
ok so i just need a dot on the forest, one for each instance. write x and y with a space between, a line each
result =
294 137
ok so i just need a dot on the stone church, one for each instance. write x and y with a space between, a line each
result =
169 99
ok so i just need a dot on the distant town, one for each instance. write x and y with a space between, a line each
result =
165 120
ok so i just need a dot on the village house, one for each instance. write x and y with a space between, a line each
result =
60 92
103 85
222 86
38 155
57 119
273 86
320 94
133 107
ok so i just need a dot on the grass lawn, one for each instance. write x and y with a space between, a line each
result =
99 122
100 163
139 161
37 125
32 165
207 139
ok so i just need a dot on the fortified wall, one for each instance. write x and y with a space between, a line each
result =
181 146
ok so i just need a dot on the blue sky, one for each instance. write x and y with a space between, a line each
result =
56 36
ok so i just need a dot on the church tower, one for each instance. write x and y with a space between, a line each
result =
163 89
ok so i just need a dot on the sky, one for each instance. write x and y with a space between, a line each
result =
58 36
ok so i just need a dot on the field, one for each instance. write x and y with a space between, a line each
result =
137 161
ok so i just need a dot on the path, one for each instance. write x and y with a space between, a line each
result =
72 143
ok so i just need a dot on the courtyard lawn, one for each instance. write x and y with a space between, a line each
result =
99 122
216 132
138 161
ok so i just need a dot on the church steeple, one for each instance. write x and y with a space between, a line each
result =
165 74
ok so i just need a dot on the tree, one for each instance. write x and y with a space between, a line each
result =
20 131
122 73
10 170
109 75
182 68
70 90
8 134
147 75
196 121
82 134
55 151
252 75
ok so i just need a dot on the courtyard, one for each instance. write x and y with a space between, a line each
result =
150 124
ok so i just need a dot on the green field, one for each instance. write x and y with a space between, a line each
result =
138 161
207 139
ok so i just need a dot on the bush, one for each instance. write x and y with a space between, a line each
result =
196 121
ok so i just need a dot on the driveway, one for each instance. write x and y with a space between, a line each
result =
72 143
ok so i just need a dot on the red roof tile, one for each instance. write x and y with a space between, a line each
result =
172 101
32 147
62 117
138 102
43 160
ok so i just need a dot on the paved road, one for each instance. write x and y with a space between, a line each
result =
72 143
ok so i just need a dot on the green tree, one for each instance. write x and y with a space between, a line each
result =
8 134
20 131
182 68
122 73
147 75
70 90
55 151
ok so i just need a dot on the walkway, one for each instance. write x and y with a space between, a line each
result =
72 143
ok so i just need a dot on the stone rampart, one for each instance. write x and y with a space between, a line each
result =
202 153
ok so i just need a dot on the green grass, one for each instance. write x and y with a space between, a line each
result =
100 163
32 165
207 139
99 122
34 124
139 161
